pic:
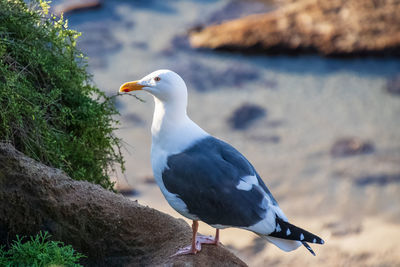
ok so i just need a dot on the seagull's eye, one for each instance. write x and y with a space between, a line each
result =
157 79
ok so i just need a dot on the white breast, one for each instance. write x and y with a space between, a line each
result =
166 142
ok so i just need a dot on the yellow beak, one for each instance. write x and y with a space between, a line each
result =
131 86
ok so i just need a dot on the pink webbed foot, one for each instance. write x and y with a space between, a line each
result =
188 250
197 240
200 239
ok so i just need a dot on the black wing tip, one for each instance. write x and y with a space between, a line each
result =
318 241
309 248
289 231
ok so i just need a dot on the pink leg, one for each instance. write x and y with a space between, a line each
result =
195 245
197 240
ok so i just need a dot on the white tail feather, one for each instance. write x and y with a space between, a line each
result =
284 244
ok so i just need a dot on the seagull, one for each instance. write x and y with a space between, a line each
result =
206 179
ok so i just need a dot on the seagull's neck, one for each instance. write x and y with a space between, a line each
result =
172 130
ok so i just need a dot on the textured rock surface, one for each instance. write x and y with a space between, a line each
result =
109 228
338 27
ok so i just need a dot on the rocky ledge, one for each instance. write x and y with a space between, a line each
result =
108 228
331 28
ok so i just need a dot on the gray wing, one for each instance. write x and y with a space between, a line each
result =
205 177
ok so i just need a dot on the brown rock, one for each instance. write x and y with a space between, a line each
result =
109 228
350 146
336 27
76 5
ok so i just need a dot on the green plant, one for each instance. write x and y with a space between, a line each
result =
3 256
49 109
39 251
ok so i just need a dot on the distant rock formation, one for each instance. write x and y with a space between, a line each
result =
109 228
331 28
76 5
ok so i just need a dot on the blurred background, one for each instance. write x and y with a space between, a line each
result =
308 91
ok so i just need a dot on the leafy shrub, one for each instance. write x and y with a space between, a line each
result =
49 109
39 251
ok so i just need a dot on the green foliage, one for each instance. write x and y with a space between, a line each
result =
39 251
49 109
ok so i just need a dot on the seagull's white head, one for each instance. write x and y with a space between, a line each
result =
171 129
165 85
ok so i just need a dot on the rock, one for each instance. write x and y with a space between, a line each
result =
378 179
76 5
232 10
245 115
331 28
107 227
350 146
237 9
393 85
